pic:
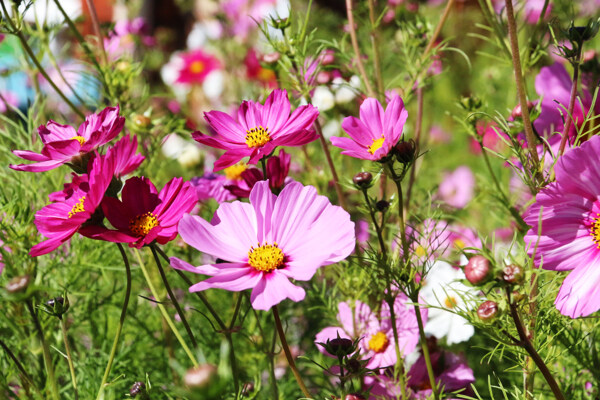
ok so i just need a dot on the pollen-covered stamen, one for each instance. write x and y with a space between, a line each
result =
378 342
377 143
595 230
257 137
142 224
77 207
266 258
234 173
80 139
196 67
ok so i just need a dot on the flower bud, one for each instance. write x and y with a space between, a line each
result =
141 121
340 347
353 365
139 388
478 270
512 274
280 23
405 151
363 180
57 306
271 57
354 396
200 376
18 284
382 205
247 388
517 112
487 311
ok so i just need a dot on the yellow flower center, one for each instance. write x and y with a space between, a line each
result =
142 224
450 302
80 139
234 173
266 75
459 243
378 342
595 230
257 137
420 251
265 258
196 67
377 143
77 207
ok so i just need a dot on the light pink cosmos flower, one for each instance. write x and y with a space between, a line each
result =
375 331
456 189
195 66
269 241
243 15
121 41
143 215
376 132
59 221
63 144
212 186
570 229
259 129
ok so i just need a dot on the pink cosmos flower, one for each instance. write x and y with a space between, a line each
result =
195 66
243 15
376 132
375 331
259 129
255 71
63 144
269 241
456 189
212 186
143 215
59 221
122 39
570 236
7 100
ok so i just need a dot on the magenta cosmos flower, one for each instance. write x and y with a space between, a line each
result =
269 241
376 132
195 66
259 129
59 221
143 215
375 331
570 229
63 144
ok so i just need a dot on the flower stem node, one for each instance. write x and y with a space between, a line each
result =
488 311
363 180
478 270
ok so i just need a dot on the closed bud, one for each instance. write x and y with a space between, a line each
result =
18 284
512 274
478 270
382 205
487 311
353 365
405 151
200 376
517 112
363 180
139 389
141 121
354 396
280 23
340 347
247 388
57 306
271 57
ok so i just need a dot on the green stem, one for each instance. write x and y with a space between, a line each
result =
33 58
63 328
357 55
229 336
46 351
272 377
113 350
376 55
172 296
378 229
569 121
418 129
288 353
399 367
425 350
162 309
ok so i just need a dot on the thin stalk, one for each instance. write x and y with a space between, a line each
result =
516 59
63 328
378 229
376 55
569 121
357 55
425 350
172 296
399 368
288 353
20 367
46 351
413 167
113 350
97 31
35 61
272 377
401 223
229 337
334 175
490 17
513 211
162 309
525 342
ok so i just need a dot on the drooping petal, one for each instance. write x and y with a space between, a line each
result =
272 289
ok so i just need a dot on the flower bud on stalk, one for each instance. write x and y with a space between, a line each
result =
18 284
487 311
57 306
405 151
478 270
382 205
363 180
139 389
200 376
513 274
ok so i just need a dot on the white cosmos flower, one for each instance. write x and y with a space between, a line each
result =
443 288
